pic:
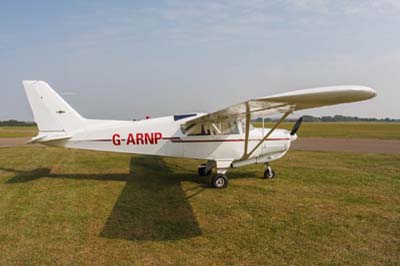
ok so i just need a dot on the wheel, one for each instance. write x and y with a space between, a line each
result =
219 181
269 173
202 170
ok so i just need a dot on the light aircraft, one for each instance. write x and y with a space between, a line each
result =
224 139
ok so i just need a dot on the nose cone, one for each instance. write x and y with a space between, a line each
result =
293 137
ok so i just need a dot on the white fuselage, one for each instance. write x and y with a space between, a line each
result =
224 138
163 137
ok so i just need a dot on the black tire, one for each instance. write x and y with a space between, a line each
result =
269 173
202 170
219 181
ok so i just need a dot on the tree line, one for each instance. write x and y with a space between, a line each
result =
335 118
14 123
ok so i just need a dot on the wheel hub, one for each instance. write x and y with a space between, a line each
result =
220 182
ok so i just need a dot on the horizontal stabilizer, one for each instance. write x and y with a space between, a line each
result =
36 139
46 138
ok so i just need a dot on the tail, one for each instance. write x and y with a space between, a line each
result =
50 111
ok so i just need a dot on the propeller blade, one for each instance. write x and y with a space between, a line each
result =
296 126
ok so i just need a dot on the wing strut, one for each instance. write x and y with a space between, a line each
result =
246 156
248 120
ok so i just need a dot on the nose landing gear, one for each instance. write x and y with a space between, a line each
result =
269 172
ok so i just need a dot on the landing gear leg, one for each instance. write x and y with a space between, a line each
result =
269 172
220 180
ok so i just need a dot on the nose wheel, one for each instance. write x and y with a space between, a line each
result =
269 173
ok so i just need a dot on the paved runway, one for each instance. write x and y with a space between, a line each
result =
348 145
309 144
9 142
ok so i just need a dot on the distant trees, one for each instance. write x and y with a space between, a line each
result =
336 118
341 118
13 123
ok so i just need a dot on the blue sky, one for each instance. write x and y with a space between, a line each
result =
127 59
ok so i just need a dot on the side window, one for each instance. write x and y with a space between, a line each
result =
198 130
227 128
222 128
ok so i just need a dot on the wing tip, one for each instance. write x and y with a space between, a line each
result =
362 91
368 92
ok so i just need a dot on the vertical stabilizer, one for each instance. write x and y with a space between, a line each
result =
50 111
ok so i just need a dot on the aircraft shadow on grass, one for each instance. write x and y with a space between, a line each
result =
152 204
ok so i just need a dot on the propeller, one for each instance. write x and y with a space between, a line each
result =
296 126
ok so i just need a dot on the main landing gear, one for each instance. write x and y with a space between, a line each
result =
205 169
269 172
217 181
220 180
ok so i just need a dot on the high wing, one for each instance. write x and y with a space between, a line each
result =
284 103
288 102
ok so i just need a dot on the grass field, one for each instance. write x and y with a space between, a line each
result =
17 132
333 130
77 207
345 130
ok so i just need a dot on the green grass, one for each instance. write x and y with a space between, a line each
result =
367 130
86 208
17 132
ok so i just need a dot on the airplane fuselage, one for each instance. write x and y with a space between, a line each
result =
224 138
164 137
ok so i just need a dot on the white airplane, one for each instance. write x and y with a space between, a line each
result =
225 138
